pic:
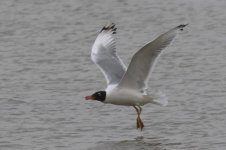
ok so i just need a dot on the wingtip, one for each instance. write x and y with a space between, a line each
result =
109 27
181 27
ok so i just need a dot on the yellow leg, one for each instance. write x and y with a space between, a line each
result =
140 123
140 109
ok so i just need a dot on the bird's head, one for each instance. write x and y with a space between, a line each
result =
99 96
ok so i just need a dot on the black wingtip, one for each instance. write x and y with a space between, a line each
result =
109 27
181 27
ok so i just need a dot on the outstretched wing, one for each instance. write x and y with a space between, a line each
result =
105 57
137 74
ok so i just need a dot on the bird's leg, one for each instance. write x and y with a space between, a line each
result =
140 109
138 114
141 122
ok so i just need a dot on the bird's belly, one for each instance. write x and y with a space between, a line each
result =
126 98
125 102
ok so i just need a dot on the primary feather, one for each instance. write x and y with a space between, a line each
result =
104 55
136 76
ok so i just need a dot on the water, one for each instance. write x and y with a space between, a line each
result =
45 72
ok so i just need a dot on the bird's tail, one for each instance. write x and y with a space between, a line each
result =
158 98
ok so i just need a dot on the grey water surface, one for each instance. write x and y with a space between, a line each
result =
45 72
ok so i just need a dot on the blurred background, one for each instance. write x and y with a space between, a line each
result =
45 72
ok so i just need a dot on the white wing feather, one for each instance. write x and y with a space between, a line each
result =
105 57
137 74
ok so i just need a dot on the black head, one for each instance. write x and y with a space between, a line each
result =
99 96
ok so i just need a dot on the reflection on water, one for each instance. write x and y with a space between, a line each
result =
140 143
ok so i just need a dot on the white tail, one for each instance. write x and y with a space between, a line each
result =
159 98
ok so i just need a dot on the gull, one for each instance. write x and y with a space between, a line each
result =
128 86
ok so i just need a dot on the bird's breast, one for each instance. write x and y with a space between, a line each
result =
124 97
